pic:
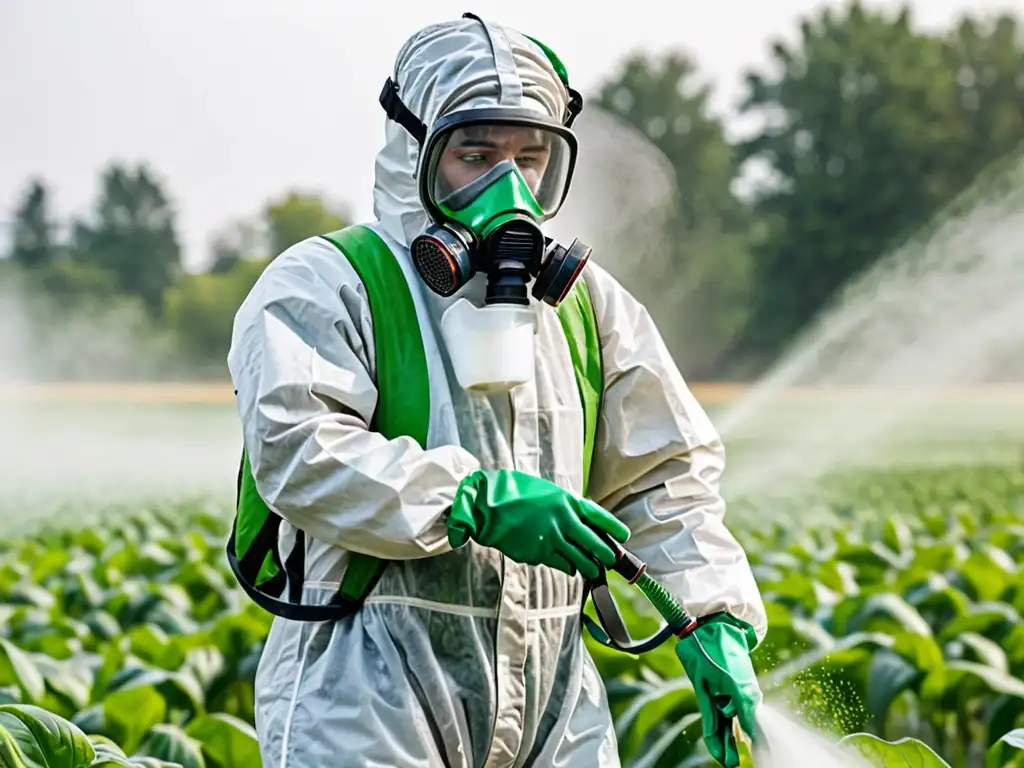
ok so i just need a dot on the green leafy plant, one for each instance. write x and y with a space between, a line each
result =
896 619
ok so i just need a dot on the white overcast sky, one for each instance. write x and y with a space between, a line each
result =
233 101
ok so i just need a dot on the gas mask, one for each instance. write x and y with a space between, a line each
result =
488 179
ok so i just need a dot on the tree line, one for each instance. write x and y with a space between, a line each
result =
868 126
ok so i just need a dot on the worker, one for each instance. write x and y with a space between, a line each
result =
469 650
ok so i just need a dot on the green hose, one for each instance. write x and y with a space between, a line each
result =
665 604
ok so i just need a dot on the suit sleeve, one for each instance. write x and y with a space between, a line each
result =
658 464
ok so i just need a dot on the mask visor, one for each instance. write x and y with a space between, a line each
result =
465 161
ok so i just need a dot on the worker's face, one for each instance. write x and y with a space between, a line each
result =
472 151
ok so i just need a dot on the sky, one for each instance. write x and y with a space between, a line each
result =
234 101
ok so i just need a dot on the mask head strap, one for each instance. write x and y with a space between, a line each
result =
400 113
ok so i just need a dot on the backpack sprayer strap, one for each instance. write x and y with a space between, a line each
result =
339 607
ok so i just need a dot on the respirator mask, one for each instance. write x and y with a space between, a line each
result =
488 179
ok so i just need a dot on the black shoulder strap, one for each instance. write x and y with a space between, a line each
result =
337 609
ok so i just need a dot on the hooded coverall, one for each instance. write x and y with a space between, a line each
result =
464 657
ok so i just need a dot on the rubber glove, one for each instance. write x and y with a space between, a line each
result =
532 521
716 657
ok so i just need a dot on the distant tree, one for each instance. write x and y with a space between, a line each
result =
870 127
34 243
707 275
132 236
68 279
296 216
200 309
987 56
663 98
242 239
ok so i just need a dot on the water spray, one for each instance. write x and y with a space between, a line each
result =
900 347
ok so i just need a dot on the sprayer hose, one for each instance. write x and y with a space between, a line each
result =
665 604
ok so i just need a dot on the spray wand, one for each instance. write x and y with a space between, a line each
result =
678 623
612 632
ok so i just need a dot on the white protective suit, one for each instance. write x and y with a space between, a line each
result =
458 658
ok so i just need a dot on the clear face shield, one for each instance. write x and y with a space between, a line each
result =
468 161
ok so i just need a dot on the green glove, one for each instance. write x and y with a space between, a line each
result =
533 521
716 657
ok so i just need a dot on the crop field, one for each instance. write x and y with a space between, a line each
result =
895 586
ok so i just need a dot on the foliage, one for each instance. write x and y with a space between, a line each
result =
135 634
900 616
988 57
132 236
870 127
34 243
708 271
662 98
905 752
296 216
200 309
241 239
902 622
94 283
865 126
282 222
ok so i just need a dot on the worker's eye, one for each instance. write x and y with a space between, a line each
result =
473 157
527 161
